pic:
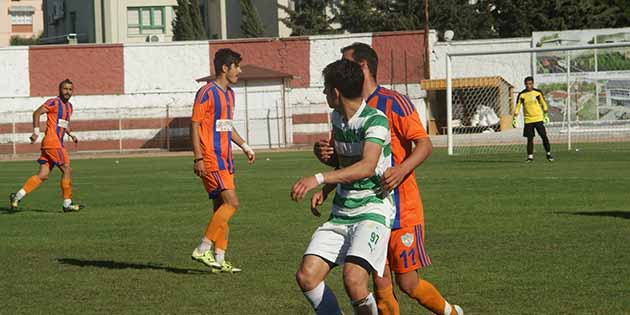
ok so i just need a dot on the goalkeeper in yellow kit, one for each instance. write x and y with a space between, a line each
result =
535 111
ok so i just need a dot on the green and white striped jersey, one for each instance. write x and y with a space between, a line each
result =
363 199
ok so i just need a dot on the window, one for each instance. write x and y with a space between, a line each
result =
21 18
146 20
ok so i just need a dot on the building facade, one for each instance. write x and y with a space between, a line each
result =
22 18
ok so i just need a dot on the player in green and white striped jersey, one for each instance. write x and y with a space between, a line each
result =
357 233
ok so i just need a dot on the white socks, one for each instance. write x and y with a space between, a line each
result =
205 245
67 202
366 306
219 255
323 300
20 194
530 156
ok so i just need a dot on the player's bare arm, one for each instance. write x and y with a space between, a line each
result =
363 168
325 153
38 112
199 168
319 197
236 138
395 175
73 137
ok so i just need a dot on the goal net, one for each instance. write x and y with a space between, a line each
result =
586 87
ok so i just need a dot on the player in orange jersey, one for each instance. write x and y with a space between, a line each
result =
212 136
406 252
53 153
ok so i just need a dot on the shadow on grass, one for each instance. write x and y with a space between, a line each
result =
7 210
109 264
613 214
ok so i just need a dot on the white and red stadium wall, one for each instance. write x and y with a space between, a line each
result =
132 80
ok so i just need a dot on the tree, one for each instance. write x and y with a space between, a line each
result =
251 24
187 24
197 21
308 18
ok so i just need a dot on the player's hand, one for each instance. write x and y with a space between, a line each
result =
302 187
323 150
546 119
514 122
392 177
33 137
251 156
200 169
316 200
74 138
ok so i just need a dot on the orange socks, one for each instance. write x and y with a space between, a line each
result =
31 183
218 226
428 296
222 242
66 188
386 301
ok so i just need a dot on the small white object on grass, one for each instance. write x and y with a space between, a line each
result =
117 162
267 159
577 150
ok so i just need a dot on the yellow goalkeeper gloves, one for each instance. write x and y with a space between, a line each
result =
546 119
514 122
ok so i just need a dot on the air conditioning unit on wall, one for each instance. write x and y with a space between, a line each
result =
155 38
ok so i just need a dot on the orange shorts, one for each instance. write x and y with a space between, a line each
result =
54 157
217 181
406 249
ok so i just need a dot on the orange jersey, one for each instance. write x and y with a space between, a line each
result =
405 127
214 110
58 119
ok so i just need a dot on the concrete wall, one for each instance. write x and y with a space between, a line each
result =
122 91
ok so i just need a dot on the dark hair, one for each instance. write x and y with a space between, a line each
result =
529 79
65 81
346 76
225 56
361 52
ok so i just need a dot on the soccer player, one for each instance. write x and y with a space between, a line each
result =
356 233
410 146
212 136
535 111
53 153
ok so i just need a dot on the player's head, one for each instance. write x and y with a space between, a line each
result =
342 79
65 89
529 83
227 63
364 55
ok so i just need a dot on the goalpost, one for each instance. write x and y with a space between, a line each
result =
587 88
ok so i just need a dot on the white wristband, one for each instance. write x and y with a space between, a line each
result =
36 130
320 178
246 147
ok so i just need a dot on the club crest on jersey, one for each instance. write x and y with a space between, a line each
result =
407 239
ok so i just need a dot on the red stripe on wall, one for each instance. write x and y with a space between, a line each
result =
310 119
309 138
399 43
94 69
288 55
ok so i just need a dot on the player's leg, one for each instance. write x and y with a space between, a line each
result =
410 255
204 252
542 132
386 300
528 132
324 252
367 254
63 162
32 182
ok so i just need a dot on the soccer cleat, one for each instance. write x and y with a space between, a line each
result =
206 258
73 207
550 158
13 202
529 160
458 309
227 268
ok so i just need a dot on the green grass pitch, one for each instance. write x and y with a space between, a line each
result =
504 237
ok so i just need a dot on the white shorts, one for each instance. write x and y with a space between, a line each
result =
365 239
